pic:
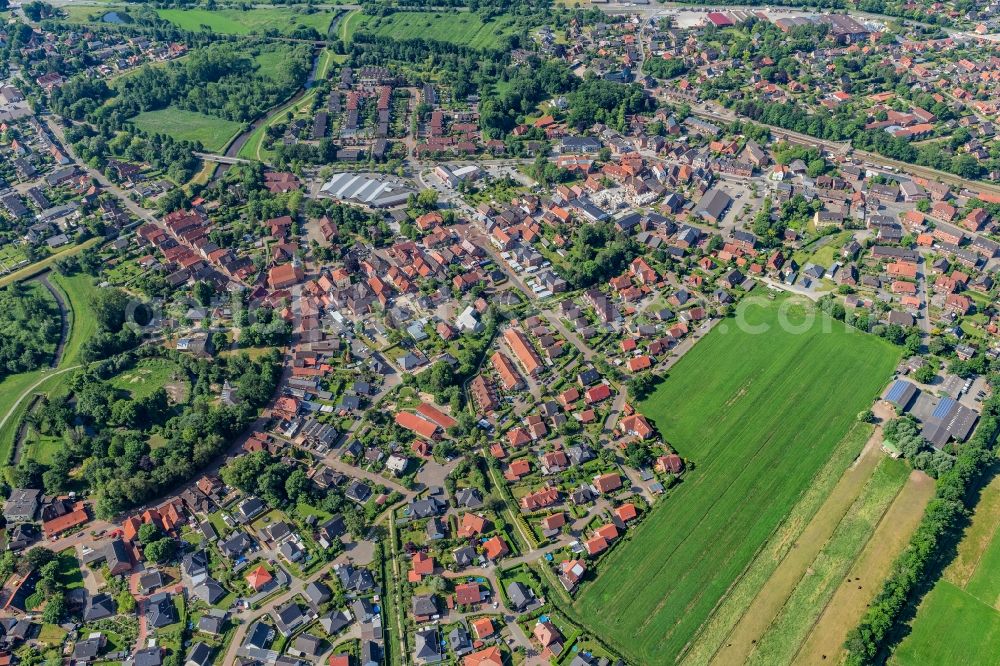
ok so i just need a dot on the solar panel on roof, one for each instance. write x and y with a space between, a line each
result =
897 390
943 409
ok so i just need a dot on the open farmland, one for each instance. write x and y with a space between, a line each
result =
462 28
252 21
965 604
759 416
213 133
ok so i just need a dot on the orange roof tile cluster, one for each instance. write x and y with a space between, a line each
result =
491 656
525 353
416 425
436 416
78 516
495 548
509 378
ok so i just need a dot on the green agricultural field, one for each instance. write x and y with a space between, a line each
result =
462 28
213 133
964 605
252 21
759 415
951 627
784 637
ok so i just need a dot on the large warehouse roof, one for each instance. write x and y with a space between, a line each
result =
367 189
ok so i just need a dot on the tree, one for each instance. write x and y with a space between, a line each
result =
220 341
161 551
110 307
298 486
203 292
55 609
148 533
126 602
641 385
925 374
38 557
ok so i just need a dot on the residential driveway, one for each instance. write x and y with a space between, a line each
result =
434 473
92 579
359 553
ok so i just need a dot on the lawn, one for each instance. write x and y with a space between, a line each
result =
150 375
77 292
759 415
461 28
213 133
252 21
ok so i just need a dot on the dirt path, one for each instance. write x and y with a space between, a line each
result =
824 644
773 595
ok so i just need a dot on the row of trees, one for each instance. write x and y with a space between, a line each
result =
931 545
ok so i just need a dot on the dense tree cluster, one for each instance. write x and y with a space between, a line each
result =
283 485
108 432
597 253
160 151
600 101
661 68
30 326
905 434
219 80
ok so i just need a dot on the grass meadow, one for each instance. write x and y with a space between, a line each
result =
759 416
462 28
958 622
213 133
252 21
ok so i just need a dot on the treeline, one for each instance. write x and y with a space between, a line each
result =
909 339
932 544
30 327
324 152
109 435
